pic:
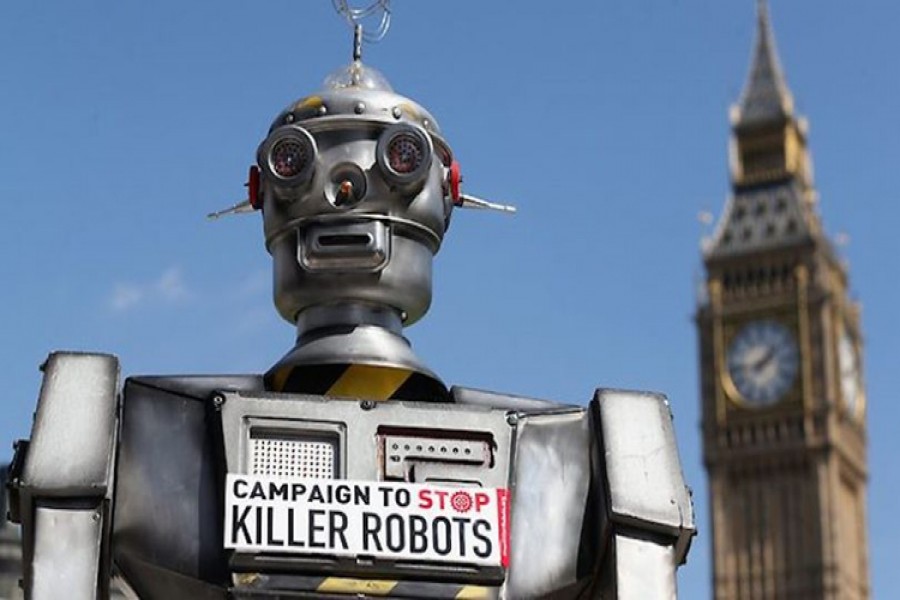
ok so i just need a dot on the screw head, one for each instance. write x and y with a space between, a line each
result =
218 400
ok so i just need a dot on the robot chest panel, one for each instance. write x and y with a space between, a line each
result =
363 490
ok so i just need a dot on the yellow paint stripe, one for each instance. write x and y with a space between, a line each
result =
309 102
279 380
247 578
368 382
474 592
344 585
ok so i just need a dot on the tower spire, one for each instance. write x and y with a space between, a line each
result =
773 201
766 96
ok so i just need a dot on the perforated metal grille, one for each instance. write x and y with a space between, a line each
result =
289 157
292 457
405 153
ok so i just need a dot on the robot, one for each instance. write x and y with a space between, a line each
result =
349 469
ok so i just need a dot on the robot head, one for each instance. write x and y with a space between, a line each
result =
356 186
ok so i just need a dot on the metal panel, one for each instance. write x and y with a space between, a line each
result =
67 550
641 458
643 569
472 396
166 489
364 428
550 499
447 443
74 427
644 477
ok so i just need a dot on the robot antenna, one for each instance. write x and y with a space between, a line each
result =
379 11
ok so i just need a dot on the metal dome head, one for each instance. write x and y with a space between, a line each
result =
362 94
353 192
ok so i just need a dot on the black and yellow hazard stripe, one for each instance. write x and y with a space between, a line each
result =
406 589
368 382
366 588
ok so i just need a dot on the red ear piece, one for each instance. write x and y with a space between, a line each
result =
253 188
454 178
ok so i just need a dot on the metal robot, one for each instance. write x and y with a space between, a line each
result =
348 470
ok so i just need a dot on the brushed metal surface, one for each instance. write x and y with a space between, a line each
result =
66 562
167 488
74 426
643 470
644 569
403 283
552 478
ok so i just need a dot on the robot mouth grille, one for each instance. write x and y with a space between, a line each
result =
405 154
284 456
289 157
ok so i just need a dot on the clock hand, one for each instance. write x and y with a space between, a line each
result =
766 358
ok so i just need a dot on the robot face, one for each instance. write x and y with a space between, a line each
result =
353 197
398 165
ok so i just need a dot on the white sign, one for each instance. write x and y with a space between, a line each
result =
367 518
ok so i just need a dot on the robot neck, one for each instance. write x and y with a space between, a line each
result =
354 350
347 315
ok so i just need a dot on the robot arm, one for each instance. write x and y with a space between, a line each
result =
649 509
61 484
600 491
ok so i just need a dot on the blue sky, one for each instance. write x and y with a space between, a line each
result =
123 123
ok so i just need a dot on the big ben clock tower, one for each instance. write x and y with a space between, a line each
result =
783 401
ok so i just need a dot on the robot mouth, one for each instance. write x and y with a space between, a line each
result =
344 239
361 246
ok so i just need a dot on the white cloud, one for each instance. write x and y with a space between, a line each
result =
125 296
168 288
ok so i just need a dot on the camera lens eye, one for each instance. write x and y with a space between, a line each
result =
289 157
405 153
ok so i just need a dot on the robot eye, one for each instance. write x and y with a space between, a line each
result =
404 154
289 156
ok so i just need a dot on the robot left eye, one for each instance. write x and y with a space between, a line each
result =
288 156
404 153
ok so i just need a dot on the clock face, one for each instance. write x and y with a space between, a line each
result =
849 367
763 362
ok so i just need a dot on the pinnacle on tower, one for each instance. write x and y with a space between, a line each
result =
766 96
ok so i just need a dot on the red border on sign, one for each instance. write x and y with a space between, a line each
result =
503 520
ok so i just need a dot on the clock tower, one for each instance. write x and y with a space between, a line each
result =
783 401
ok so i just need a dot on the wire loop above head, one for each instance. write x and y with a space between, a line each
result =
379 9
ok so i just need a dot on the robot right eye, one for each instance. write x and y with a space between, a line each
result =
404 155
288 156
